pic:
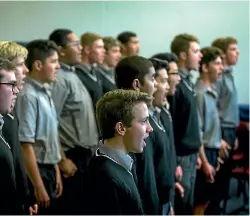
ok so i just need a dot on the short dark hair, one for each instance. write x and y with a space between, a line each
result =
209 54
60 36
130 68
159 64
223 43
181 43
125 37
117 106
169 57
39 50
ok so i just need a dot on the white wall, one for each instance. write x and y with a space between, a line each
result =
155 22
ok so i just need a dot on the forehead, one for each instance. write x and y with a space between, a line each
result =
19 60
232 46
162 74
114 48
194 45
151 72
134 39
53 56
173 66
8 75
140 110
217 60
98 42
72 37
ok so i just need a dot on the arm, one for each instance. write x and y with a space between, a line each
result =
26 108
201 109
34 174
60 91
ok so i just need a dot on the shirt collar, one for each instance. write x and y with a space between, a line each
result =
228 70
35 83
119 157
209 89
67 67
184 73
1 123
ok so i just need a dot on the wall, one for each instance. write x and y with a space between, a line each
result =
155 22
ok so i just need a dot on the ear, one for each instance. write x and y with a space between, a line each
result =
223 56
120 129
123 48
37 65
136 85
183 56
204 68
61 51
86 49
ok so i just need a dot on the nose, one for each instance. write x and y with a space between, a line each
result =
26 70
58 66
149 128
201 55
167 86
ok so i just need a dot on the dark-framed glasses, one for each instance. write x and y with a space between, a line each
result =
75 43
13 84
174 73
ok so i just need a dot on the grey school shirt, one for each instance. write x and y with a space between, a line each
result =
209 122
77 123
228 100
117 156
38 123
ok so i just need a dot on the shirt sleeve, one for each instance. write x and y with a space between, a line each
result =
201 113
59 94
26 109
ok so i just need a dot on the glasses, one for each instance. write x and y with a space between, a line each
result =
13 84
174 73
75 43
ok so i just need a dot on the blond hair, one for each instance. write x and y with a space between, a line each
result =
110 42
89 38
11 50
6 64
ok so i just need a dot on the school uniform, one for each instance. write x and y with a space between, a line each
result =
10 134
209 123
38 126
187 139
109 187
90 78
108 80
77 131
8 190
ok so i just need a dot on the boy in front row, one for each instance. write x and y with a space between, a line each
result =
109 186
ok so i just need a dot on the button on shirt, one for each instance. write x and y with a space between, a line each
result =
38 123
210 132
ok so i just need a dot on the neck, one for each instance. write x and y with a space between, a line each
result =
182 66
205 80
116 143
35 76
65 61
86 60
105 65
